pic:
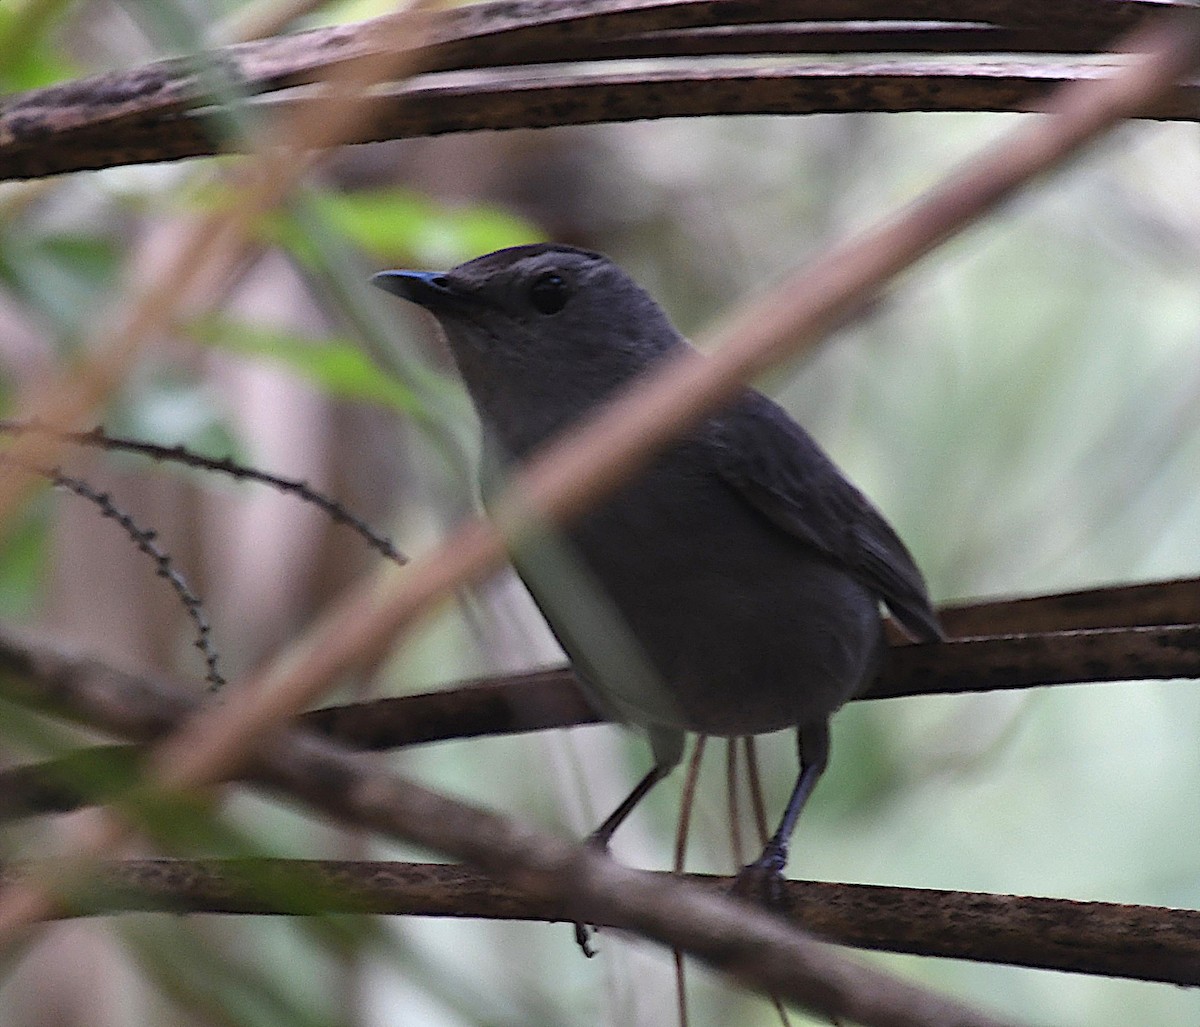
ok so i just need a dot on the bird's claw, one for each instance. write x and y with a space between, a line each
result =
762 881
598 842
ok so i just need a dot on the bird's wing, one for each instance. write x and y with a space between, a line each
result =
779 470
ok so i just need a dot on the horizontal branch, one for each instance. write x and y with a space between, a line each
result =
1164 619
552 698
142 114
501 101
524 32
1175 601
1147 943
1050 658
731 936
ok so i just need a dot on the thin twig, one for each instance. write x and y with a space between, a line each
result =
98 438
687 806
146 542
754 779
737 850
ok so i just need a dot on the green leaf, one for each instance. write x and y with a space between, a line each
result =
65 276
336 366
28 58
404 226
23 557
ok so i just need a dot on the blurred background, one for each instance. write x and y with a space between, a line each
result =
1022 406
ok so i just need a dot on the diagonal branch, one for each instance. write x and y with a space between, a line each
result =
757 948
728 935
99 438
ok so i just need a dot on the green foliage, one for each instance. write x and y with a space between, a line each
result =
22 562
64 276
28 57
338 367
172 406
210 980
402 225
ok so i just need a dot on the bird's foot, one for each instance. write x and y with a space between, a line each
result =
583 938
598 842
762 881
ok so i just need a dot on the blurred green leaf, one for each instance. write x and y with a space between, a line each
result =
22 562
28 57
64 276
405 226
395 222
212 980
169 404
336 366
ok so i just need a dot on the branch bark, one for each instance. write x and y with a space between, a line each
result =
730 936
757 948
156 112
1146 943
1161 642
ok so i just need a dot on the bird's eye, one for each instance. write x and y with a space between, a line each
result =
549 293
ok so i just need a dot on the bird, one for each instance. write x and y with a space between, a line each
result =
735 586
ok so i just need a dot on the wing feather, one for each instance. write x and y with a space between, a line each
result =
775 465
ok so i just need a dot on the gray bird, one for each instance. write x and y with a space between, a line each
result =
745 570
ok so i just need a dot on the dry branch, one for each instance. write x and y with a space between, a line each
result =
577 470
729 936
1176 601
156 112
1136 942
757 948
538 700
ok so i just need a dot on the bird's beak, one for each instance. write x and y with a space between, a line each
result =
429 289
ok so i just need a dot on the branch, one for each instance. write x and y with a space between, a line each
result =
99 438
145 540
552 698
1176 601
757 948
1146 943
145 114
595 456
1153 648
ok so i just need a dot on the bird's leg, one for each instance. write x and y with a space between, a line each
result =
762 878
600 837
